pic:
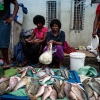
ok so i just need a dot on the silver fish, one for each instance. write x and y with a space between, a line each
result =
3 86
72 96
47 92
40 92
62 73
87 88
67 89
52 72
56 85
61 93
24 73
96 95
46 79
95 85
3 79
47 70
32 87
41 73
13 82
53 95
66 72
77 92
21 83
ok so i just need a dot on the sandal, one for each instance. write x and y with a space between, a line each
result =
6 66
22 65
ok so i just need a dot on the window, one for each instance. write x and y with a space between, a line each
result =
79 11
95 1
52 11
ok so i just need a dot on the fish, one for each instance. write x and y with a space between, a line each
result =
32 87
67 89
92 98
72 96
87 88
21 83
24 73
62 73
46 79
41 73
81 89
52 72
61 93
66 72
3 79
94 85
77 92
40 92
3 86
96 95
47 92
47 70
83 78
12 83
58 77
53 95
56 85
31 68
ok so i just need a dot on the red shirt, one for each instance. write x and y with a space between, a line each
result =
98 9
98 12
40 33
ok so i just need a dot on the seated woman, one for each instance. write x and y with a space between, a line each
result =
57 38
34 43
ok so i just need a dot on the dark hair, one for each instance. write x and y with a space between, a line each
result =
39 19
55 21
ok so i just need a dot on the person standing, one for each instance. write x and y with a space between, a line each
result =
96 26
5 27
57 38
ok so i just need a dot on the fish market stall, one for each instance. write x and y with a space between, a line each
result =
42 83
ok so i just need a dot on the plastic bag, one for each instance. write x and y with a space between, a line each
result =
46 57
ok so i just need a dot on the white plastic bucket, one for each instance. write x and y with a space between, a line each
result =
77 60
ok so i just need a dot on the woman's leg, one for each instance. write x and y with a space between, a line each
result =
26 48
35 53
59 53
4 52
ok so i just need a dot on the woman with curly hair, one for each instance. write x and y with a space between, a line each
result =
35 42
57 38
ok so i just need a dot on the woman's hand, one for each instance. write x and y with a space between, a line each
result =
9 20
93 34
51 41
31 42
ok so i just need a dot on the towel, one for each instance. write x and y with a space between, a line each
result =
87 71
19 16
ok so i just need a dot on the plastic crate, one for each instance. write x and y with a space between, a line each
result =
74 79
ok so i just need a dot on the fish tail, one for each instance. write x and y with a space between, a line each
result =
35 97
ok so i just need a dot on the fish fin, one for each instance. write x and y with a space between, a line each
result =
35 97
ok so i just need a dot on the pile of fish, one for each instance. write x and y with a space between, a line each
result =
44 83
59 90
92 88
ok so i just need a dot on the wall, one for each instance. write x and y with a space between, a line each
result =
75 39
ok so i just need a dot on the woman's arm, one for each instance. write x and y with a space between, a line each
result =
16 7
95 25
31 37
